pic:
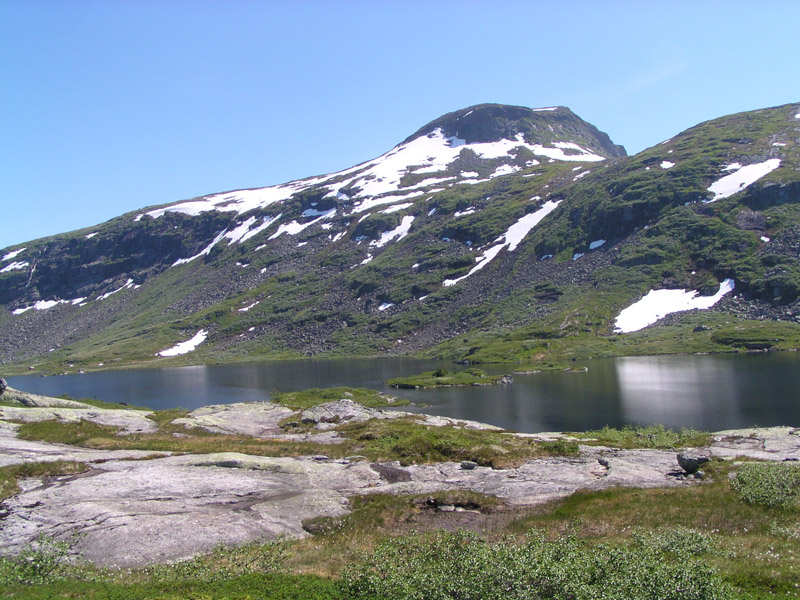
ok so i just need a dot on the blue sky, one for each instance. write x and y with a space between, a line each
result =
109 106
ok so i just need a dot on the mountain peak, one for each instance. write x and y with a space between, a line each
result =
483 123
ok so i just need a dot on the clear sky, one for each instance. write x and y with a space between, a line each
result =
107 106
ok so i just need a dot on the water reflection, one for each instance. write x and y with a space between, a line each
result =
674 391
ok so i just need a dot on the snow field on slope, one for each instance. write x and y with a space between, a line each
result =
741 177
398 232
657 304
433 153
510 239
187 346
13 254
15 266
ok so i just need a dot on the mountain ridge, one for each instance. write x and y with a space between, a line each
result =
441 236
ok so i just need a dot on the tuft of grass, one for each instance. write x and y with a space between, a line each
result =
652 436
9 475
411 442
314 396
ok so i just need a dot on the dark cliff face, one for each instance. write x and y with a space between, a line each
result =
493 122
74 266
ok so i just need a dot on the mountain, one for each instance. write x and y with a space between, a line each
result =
492 233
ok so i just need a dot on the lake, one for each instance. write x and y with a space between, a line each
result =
710 392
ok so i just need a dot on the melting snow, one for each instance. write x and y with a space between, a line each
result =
397 207
91 235
579 175
385 305
13 254
187 346
741 178
127 285
45 304
542 109
660 303
246 308
14 266
461 213
203 252
398 232
665 164
138 217
577 255
596 244
293 228
338 236
255 231
469 173
764 239
510 239
503 170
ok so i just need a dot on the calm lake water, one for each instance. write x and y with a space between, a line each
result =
703 392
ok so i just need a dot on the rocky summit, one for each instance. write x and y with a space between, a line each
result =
494 233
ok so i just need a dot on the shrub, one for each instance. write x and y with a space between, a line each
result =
768 484
40 562
444 566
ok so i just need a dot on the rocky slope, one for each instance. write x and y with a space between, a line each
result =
493 232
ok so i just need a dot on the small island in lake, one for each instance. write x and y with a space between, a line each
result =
442 378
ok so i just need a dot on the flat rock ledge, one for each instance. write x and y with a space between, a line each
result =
127 512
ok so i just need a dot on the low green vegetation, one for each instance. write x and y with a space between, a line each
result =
9 475
442 378
461 566
768 484
653 436
314 396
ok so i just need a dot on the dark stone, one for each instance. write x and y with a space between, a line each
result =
391 474
691 464
468 465
3 385
506 380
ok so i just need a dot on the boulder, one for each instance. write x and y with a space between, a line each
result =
691 464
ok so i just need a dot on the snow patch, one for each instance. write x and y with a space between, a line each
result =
503 170
138 217
765 239
577 255
397 207
510 239
543 109
659 303
15 266
125 286
91 235
293 227
13 254
398 232
461 213
580 175
187 346
469 173
246 308
665 164
741 177
203 252
385 305
596 244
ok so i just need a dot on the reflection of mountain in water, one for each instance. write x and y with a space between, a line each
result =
679 391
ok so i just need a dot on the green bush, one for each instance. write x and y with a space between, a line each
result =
444 566
41 562
768 484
